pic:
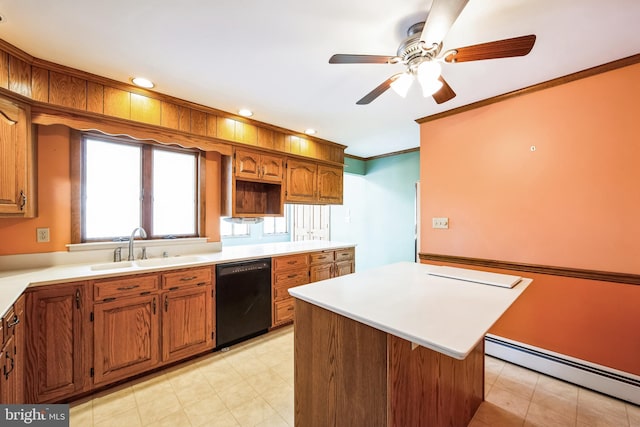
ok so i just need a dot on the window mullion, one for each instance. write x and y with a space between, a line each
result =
147 190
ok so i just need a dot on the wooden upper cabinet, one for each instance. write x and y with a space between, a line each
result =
17 196
258 166
302 181
313 183
330 186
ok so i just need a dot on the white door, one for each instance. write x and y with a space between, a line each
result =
311 222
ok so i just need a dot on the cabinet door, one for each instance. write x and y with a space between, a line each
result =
8 382
126 337
330 187
272 168
301 181
16 160
187 322
58 334
13 325
247 164
321 272
343 267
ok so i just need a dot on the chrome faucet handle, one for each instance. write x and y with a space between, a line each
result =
165 254
144 253
117 254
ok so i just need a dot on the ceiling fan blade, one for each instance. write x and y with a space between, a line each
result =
361 59
378 91
441 17
445 93
517 46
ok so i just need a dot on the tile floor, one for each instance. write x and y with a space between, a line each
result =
252 385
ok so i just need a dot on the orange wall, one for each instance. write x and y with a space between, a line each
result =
573 202
18 236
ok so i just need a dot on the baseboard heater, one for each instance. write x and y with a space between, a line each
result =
621 385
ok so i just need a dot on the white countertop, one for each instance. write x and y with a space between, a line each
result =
13 283
447 315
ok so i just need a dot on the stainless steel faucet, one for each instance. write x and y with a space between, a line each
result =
143 234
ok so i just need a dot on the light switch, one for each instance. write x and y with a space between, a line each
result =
440 223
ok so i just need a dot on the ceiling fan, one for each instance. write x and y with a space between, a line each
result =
422 54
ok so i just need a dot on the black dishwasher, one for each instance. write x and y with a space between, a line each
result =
243 300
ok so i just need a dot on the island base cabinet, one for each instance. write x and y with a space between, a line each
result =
350 374
126 338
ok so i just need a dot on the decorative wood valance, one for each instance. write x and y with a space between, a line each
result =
80 100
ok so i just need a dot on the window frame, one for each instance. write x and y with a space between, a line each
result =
78 182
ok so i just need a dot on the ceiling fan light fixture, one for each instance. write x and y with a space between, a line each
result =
402 84
429 70
429 87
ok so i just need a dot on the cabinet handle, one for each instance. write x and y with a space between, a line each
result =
187 278
154 305
13 364
126 288
23 200
14 322
166 303
290 308
291 262
109 299
291 276
201 284
78 299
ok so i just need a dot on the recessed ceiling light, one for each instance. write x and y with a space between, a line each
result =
245 112
310 131
142 82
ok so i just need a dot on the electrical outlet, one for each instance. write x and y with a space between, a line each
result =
42 235
439 222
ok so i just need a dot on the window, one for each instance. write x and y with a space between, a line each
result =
276 224
232 229
129 184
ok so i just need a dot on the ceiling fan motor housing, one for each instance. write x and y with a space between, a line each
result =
411 51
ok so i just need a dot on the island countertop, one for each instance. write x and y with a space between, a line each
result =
446 315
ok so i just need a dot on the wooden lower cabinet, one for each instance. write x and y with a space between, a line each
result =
57 342
12 355
187 322
126 338
295 270
328 264
287 271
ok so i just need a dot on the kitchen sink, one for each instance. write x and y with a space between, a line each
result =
176 260
112 266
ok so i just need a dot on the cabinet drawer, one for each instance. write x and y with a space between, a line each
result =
344 255
291 278
283 311
182 278
282 291
124 286
290 262
321 257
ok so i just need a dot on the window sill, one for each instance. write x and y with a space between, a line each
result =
76 247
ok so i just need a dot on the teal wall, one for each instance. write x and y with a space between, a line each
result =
378 213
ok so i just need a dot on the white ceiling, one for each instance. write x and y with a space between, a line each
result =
272 56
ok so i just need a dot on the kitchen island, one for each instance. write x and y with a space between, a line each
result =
394 346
